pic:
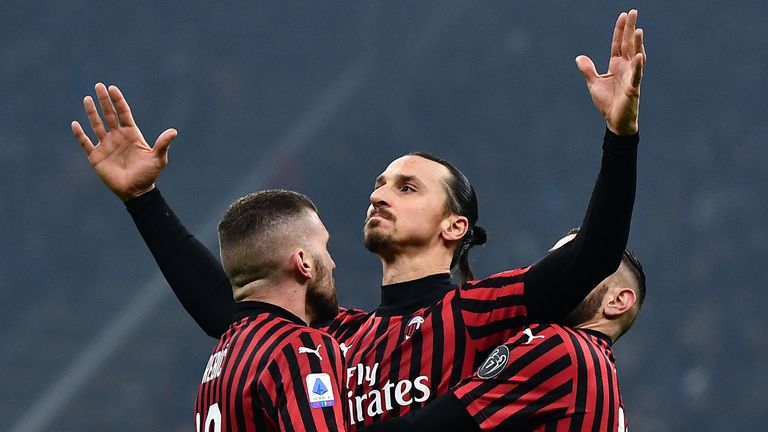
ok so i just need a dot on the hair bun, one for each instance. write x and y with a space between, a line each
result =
479 235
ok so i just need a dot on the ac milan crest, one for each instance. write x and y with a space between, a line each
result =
413 325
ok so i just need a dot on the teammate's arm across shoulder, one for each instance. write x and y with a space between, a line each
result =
499 395
446 413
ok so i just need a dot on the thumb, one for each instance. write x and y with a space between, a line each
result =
163 143
586 67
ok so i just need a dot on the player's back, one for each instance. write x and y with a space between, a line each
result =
270 372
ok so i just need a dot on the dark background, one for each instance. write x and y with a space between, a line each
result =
320 97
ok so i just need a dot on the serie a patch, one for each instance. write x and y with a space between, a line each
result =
320 390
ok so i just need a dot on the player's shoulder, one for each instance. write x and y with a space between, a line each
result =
552 335
343 319
506 277
301 343
301 334
351 314
537 341
561 341
536 346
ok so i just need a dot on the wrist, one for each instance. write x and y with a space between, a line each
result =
623 130
134 194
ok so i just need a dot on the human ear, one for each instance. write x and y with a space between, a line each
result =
301 263
620 301
454 227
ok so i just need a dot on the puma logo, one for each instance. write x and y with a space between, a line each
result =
530 335
316 351
344 348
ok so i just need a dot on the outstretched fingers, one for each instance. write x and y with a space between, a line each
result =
93 118
628 49
637 70
82 138
121 106
640 43
618 31
106 106
638 61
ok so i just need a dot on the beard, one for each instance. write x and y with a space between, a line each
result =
321 303
587 309
376 240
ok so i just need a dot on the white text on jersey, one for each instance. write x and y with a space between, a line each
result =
213 369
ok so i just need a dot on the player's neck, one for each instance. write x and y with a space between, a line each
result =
414 265
289 296
607 328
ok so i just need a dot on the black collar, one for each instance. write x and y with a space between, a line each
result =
600 335
253 308
405 297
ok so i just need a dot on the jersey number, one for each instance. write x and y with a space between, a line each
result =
212 419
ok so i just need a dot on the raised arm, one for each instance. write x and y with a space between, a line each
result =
557 283
192 271
129 167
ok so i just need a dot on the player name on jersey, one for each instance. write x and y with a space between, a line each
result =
213 369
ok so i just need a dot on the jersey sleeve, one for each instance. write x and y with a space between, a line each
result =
563 278
302 386
523 383
446 413
494 308
194 274
345 324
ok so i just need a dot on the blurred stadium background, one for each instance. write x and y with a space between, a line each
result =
319 97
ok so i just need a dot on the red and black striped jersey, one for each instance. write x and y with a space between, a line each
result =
271 372
424 338
426 335
344 325
547 378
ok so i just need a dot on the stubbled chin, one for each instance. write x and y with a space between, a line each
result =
373 227
374 222
376 240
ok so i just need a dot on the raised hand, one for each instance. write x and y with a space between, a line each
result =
121 157
616 94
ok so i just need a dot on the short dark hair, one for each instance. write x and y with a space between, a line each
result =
462 200
250 229
636 268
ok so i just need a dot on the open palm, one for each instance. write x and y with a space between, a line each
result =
121 157
616 94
